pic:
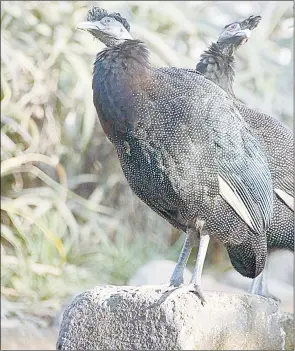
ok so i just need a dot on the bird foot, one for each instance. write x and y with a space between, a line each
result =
171 288
196 289
262 290
270 296
190 288
277 299
176 282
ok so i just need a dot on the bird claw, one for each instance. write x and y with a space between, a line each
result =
195 289
171 288
262 290
190 288
271 296
277 300
177 282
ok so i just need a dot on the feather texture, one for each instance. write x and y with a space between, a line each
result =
228 192
184 134
288 199
276 140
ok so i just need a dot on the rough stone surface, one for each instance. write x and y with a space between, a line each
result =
152 318
288 326
280 269
279 279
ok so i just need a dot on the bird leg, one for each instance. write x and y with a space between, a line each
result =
195 284
197 273
259 285
177 275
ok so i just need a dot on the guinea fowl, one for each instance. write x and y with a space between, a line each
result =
217 64
184 149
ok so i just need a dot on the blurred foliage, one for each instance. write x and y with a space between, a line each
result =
68 217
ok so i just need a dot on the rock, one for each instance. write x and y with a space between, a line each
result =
152 318
288 326
282 290
56 322
279 270
276 287
157 272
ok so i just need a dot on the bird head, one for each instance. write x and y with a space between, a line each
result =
110 28
238 33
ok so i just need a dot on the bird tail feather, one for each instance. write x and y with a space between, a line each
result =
248 257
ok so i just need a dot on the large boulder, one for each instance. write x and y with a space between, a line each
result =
280 285
156 318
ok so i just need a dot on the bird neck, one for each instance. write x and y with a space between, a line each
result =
121 73
112 41
226 48
217 64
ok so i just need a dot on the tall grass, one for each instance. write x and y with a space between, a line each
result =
68 217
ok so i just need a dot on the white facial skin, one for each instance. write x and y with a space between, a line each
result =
234 30
107 26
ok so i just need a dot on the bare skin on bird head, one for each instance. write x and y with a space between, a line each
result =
110 28
238 33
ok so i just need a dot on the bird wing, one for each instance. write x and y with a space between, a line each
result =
278 140
287 199
244 169
231 161
245 181
286 184
285 189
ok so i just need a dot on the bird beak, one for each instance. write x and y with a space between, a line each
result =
245 32
89 26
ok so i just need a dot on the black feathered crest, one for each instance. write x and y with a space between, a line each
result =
97 14
249 23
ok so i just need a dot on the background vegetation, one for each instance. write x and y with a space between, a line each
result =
68 217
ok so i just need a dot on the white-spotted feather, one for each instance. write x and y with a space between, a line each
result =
288 199
233 199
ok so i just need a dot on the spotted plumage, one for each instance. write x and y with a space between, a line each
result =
217 64
184 149
179 144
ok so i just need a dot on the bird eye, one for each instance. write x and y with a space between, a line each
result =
230 26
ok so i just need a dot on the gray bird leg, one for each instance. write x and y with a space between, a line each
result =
259 284
177 275
197 273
